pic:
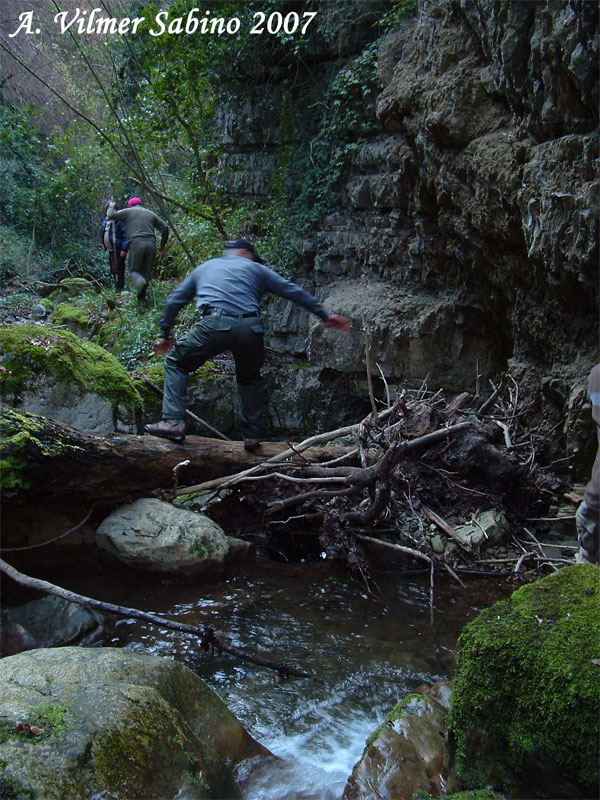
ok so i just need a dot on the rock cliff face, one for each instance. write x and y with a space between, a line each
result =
478 201
467 236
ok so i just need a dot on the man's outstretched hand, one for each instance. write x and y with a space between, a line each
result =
337 321
162 346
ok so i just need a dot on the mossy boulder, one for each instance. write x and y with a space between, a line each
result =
70 287
74 318
524 711
56 374
83 722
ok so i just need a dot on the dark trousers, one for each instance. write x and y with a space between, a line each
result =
117 268
142 250
212 335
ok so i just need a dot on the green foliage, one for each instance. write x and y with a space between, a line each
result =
51 193
528 678
345 121
156 124
400 10
19 258
21 168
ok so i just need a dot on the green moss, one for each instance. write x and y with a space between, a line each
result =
207 373
52 720
26 350
154 374
7 729
71 286
20 436
527 677
202 549
11 789
403 707
71 316
125 758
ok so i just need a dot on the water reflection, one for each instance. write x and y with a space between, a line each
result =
366 651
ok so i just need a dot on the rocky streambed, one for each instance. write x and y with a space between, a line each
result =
375 650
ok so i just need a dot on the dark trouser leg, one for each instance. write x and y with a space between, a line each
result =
142 250
120 273
189 353
249 355
113 260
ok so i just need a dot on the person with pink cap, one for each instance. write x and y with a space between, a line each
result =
140 224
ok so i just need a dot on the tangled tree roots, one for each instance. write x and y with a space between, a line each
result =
419 473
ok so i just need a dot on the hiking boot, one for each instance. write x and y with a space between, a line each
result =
173 429
251 444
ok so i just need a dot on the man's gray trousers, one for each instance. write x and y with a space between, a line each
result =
212 335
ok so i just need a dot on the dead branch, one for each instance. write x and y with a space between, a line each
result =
208 637
408 551
318 439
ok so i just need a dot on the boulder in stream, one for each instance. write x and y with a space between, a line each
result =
159 537
105 722
524 709
48 622
407 752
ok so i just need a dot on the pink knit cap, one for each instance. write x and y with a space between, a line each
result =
134 201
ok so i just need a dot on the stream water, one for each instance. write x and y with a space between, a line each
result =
368 647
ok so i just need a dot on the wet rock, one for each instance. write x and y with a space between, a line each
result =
83 722
407 752
48 622
38 311
488 529
156 536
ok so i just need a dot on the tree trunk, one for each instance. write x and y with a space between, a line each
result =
46 462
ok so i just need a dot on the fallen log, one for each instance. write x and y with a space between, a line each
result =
45 461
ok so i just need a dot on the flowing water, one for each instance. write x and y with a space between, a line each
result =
367 646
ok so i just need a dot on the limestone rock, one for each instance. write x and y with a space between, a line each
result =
488 529
48 622
407 753
56 374
83 722
411 334
156 536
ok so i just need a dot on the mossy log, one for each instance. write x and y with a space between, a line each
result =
45 461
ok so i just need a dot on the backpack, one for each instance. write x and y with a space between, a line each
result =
108 230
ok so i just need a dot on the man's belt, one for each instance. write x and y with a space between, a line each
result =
207 312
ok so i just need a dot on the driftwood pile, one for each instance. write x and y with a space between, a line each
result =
416 467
